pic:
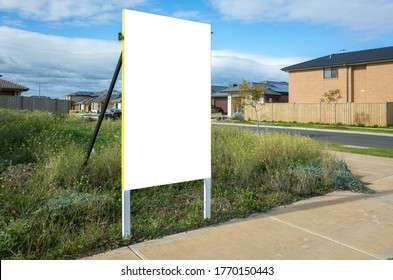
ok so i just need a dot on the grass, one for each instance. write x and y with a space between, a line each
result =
53 207
359 128
379 152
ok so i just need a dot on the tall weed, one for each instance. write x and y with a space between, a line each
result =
276 161
54 207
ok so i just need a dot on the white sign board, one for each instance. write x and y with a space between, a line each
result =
166 76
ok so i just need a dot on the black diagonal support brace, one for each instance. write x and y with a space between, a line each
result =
102 114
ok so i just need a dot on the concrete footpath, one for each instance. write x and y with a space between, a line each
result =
340 225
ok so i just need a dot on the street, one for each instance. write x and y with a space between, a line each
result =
358 139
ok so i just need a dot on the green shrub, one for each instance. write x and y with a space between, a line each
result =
244 157
238 116
276 161
343 179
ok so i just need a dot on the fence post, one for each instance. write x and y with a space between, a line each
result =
294 112
320 112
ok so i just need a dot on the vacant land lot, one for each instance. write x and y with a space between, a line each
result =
54 207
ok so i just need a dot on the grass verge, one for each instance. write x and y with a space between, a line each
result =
379 152
53 207
371 129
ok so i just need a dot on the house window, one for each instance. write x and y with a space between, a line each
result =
330 73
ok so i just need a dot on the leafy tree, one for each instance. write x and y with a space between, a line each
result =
332 97
251 95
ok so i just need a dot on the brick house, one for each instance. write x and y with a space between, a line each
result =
11 89
218 98
275 92
361 76
81 100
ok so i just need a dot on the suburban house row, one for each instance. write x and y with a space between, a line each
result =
88 101
364 79
11 97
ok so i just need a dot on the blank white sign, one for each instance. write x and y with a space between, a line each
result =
166 76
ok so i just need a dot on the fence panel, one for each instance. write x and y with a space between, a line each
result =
369 114
34 103
389 109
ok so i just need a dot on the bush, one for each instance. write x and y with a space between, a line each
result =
238 116
343 179
276 161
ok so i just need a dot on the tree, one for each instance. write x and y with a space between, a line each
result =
251 95
332 97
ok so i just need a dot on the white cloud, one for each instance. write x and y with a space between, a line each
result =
62 65
190 15
360 15
69 10
12 22
231 67
65 65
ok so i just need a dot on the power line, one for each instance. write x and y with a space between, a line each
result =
39 88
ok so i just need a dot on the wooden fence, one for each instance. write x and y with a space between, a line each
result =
369 114
35 103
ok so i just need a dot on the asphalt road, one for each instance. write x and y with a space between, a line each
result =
342 138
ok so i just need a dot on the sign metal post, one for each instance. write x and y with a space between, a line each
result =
206 198
126 213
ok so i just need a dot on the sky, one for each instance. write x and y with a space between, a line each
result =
59 47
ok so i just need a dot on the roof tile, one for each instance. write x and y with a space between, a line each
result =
7 85
341 59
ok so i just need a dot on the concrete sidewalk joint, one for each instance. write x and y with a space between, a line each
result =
325 237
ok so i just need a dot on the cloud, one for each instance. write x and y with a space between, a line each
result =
229 66
62 65
358 15
12 22
190 15
74 11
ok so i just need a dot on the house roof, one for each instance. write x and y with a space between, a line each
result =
276 87
216 89
116 100
83 93
271 88
84 101
342 59
102 97
220 95
231 89
7 85
218 92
